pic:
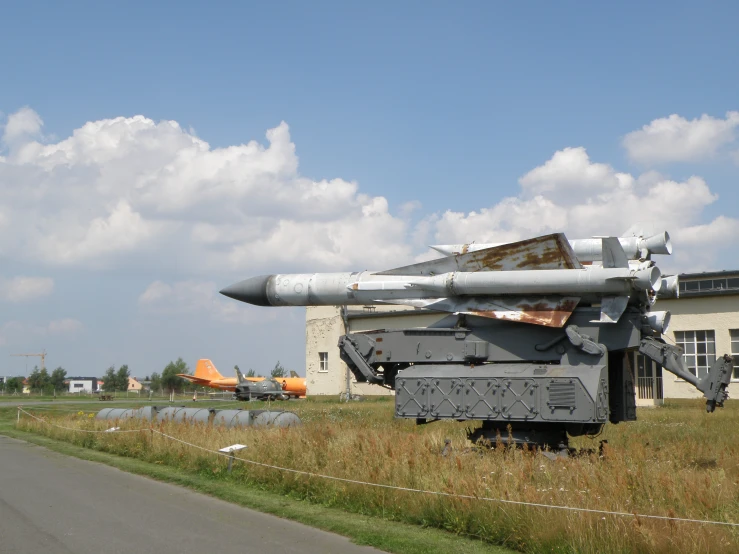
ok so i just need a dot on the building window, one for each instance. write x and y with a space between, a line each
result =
706 285
323 362
699 349
77 385
735 351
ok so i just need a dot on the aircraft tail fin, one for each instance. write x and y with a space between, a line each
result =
239 376
206 370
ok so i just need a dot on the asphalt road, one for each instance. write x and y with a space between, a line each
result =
56 504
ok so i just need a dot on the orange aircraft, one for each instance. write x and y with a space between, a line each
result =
206 375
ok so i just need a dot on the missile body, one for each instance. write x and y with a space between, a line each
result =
331 289
539 281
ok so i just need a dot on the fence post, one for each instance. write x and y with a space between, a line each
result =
19 415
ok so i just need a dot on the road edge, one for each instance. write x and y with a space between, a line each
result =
390 536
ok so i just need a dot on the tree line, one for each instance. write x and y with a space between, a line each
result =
277 372
40 381
116 381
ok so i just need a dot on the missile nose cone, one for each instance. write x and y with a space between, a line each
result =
252 291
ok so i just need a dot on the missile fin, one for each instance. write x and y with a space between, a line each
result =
549 311
613 253
545 252
441 249
611 308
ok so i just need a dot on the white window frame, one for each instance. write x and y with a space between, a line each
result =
734 341
694 348
323 362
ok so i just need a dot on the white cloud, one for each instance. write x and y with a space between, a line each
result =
25 123
132 192
21 333
196 299
119 230
701 243
408 208
64 326
20 289
583 198
509 220
676 139
570 171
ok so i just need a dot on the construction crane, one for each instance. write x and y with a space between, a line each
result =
41 355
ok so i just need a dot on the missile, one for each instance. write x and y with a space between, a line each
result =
331 289
669 288
537 281
586 250
659 321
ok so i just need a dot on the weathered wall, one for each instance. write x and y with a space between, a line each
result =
323 327
705 313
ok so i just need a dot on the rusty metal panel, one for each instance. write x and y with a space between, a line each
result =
550 311
546 252
547 311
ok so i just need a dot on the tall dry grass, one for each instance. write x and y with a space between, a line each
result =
675 461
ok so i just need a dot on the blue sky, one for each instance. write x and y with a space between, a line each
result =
439 109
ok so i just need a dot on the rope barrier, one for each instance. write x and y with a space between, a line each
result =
21 410
419 491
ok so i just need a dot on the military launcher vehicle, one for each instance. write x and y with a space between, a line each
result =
536 341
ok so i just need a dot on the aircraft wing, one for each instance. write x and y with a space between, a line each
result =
193 379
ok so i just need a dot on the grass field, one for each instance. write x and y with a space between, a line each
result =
675 461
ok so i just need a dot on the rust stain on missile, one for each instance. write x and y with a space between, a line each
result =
544 312
546 252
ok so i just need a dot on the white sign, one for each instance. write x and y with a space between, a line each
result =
232 448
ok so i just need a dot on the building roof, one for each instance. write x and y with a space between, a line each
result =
711 274
709 283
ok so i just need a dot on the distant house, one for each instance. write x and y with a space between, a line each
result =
86 385
134 385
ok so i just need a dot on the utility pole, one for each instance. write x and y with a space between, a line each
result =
41 355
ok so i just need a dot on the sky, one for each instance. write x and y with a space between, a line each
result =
154 153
